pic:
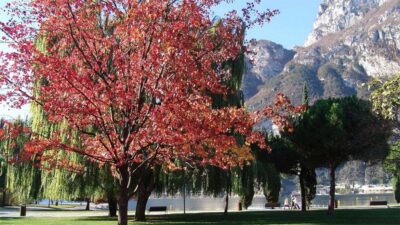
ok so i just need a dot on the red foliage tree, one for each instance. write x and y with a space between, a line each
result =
132 78
282 112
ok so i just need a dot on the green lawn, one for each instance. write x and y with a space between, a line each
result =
361 217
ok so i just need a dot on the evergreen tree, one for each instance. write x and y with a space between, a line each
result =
334 130
307 176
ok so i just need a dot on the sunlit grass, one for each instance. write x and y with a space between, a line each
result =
317 217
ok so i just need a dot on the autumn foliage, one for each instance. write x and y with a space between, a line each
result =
282 112
130 79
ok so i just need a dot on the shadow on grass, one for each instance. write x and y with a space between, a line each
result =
373 216
315 217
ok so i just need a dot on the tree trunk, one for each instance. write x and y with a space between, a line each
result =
87 204
228 191
123 198
331 206
112 205
226 203
4 198
143 195
303 190
142 199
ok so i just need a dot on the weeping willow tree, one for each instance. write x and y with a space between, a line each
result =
58 183
235 98
83 180
172 182
270 181
20 180
3 165
88 182
244 183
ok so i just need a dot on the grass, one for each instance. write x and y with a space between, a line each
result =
317 217
60 206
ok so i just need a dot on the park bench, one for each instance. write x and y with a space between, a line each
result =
158 209
371 203
272 205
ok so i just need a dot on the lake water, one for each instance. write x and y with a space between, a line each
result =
355 199
205 203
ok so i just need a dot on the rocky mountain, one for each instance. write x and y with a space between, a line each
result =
264 61
334 16
353 41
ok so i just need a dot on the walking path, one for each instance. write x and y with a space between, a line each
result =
79 211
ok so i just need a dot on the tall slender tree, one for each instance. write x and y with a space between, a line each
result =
307 176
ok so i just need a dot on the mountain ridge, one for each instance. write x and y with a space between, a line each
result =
340 63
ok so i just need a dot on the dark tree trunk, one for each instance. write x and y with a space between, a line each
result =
228 191
123 198
226 203
3 201
143 195
112 205
56 202
303 190
331 206
123 207
87 204
142 199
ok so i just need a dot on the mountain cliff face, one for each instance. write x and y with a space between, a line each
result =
352 42
337 15
264 61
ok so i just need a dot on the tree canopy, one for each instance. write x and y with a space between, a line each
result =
131 80
386 98
333 131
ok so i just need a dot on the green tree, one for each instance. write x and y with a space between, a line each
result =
396 185
392 164
244 183
307 176
287 159
333 131
91 183
385 98
386 101
20 180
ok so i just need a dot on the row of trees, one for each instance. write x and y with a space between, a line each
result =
355 133
329 133
126 93
27 183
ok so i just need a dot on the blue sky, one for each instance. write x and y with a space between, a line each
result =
289 28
